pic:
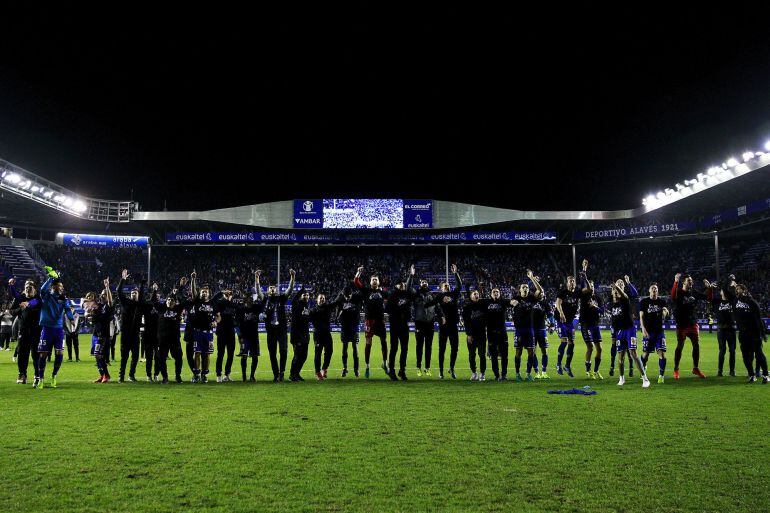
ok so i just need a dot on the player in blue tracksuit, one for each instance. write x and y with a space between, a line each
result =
54 305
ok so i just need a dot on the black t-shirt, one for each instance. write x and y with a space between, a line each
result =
169 320
722 310
399 306
496 313
226 310
101 317
247 318
320 316
449 302
622 317
300 315
540 311
522 312
569 303
685 304
349 311
747 316
202 315
589 308
374 303
653 314
475 316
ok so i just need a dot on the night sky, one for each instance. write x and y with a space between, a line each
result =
535 109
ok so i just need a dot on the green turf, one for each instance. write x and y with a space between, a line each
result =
356 445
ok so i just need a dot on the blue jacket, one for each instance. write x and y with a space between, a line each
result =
53 307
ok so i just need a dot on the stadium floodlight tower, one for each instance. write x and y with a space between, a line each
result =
28 185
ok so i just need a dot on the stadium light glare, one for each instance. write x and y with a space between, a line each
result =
79 206
747 155
732 162
767 146
13 178
35 188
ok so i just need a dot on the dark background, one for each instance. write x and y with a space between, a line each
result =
582 107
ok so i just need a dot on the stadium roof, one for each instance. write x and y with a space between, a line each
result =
20 212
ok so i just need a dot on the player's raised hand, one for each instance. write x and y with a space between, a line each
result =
585 264
155 286
677 276
292 273
193 274
530 274
360 269
124 274
12 281
258 273
411 270
106 282
454 268
626 279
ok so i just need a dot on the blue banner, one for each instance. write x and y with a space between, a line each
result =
308 213
418 214
735 213
360 237
104 241
630 232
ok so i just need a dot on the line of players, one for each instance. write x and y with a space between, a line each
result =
483 318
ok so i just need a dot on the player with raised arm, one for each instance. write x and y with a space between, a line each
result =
652 312
629 288
26 307
130 322
204 323
247 320
300 332
374 317
224 307
722 309
623 324
449 299
100 312
321 317
542 315
426 312
590 312
169 321
399 308
685 303
523 305
475 321
150 335
567 302
349 317
276 326
751 331
54 306
497 334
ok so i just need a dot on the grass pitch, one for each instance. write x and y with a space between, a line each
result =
356 445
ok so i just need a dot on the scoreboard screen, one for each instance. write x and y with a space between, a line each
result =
363 214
